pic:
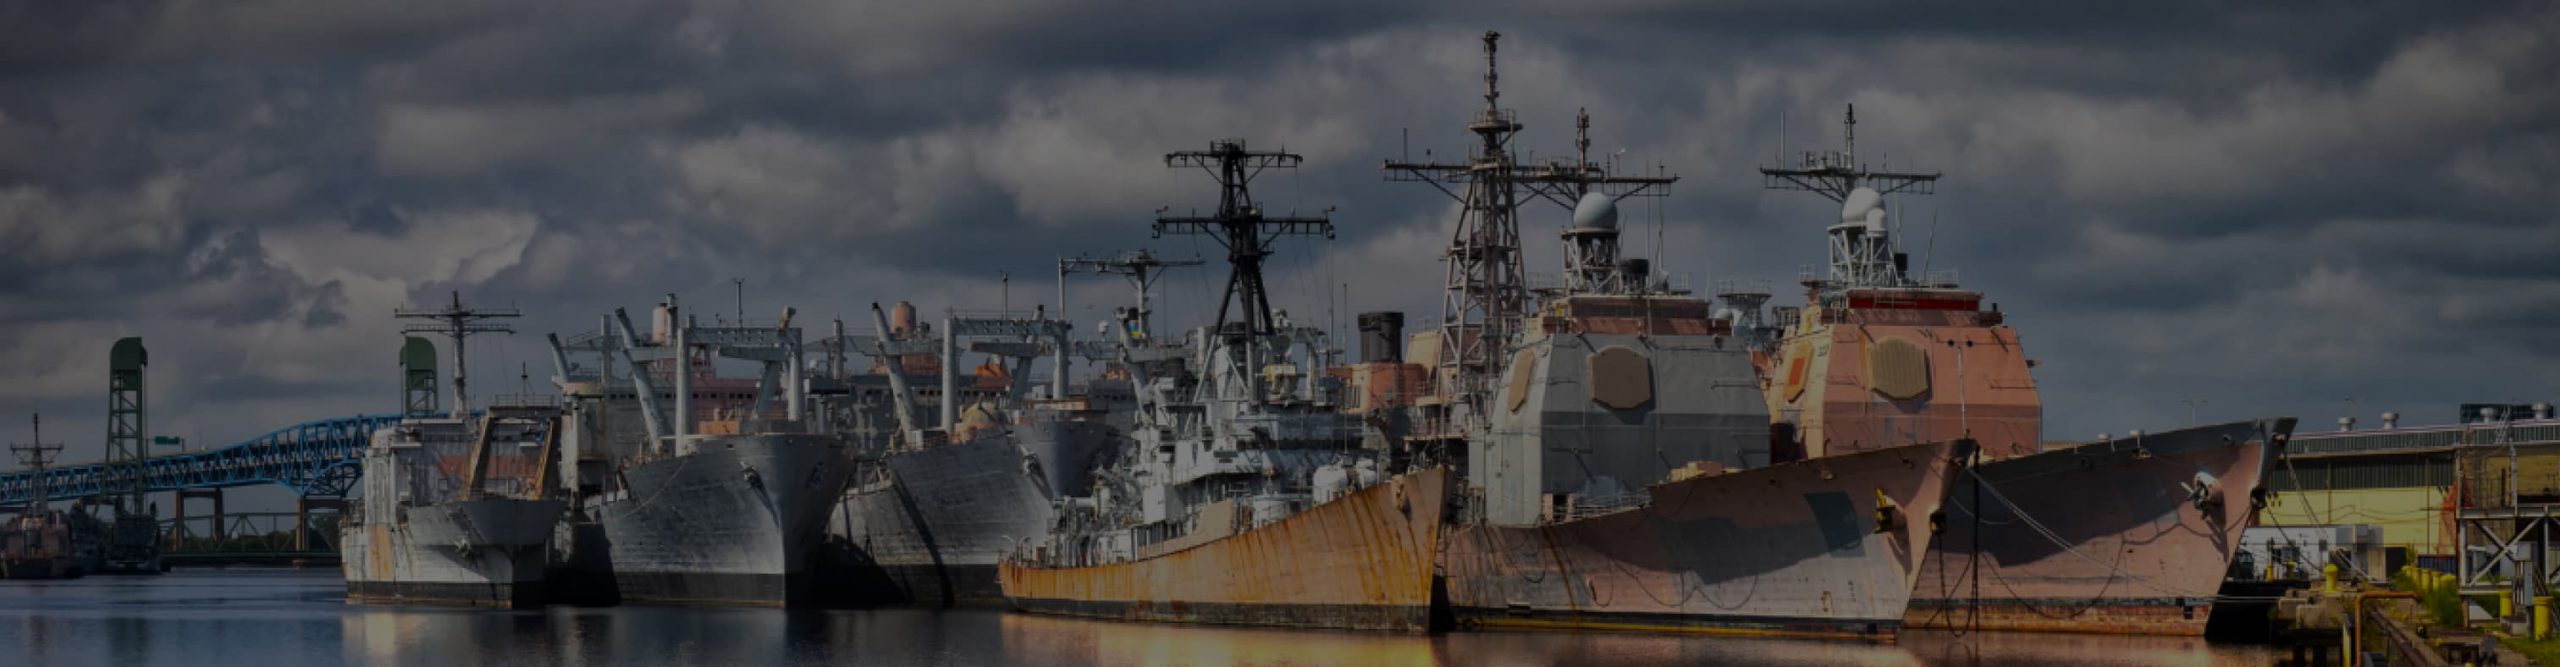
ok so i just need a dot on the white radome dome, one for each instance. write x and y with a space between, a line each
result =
1596 211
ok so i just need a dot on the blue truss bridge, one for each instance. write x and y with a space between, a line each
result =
317 459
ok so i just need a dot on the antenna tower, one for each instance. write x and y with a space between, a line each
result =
1240 226
1862 254
458 322
1487 291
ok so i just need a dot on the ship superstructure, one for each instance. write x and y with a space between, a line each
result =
456 507
1877 358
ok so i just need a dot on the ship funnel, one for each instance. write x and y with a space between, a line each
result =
2346 424
2390 420
1636 269
902 319
1382 337
2541 411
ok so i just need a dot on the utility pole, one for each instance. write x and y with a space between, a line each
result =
458 322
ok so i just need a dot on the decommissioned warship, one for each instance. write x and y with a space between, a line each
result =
1245 495
1619 470
713 491
2121 535
457 507
928 517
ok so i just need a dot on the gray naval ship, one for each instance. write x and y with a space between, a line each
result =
1624 478
456 508
696 488
933 508
1618 468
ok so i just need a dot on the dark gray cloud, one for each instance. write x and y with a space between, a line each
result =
2269 207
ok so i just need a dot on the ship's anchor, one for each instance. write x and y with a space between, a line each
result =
2203 491
1888 515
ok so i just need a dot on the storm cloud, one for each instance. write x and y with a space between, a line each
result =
2272 208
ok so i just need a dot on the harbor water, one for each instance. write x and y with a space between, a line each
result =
273 618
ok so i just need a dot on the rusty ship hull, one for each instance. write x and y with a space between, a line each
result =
1794 549
2114 536
1361 562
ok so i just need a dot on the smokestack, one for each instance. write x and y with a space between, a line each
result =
2390 420
1381 337
2346 424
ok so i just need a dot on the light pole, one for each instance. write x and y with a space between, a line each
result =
2191 408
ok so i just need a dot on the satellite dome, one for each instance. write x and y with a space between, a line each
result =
1856 208
1596 211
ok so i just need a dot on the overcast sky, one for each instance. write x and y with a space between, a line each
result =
2274 208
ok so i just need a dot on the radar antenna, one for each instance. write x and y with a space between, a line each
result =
1240 226
1863 253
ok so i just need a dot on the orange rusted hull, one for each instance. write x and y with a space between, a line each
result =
1792 550
2105 537
1361 562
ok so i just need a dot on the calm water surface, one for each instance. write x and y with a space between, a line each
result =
279 617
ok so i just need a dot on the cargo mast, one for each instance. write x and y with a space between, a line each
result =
1142 268
457 322
1862 248
1487 291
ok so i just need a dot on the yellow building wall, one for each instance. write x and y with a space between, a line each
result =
2409 517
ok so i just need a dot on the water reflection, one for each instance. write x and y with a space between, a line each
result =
278 618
